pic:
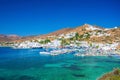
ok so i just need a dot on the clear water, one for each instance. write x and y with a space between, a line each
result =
28 64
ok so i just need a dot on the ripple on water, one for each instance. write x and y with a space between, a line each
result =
72 67
26 77
98 67
110 61
79 75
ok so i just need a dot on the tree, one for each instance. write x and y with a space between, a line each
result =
90 44
45 41
80 37
76 36
87 35
64 42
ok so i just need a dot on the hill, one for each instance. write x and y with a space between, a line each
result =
96 34
8 38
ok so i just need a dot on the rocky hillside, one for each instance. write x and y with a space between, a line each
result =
56 33
9 38
96 34
114 75
99 34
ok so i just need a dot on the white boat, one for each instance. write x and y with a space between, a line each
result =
115 55
79 54
55 52
44 52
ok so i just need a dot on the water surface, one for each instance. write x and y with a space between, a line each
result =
28 64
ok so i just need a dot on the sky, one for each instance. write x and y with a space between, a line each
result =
34 17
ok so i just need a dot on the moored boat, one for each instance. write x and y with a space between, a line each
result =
114 55
44 52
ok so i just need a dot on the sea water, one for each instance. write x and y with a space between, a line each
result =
28 64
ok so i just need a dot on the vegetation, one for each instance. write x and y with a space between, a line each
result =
77 36
65 42
87 35
97 46
71 39
45 41
90 44
99 31
114 75
6 43
81 36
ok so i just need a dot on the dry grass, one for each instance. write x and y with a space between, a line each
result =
114 75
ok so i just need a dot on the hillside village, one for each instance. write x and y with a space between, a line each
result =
82 36
78 36
96 41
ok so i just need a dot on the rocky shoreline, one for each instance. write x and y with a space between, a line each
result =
113 75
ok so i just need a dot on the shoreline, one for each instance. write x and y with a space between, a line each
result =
84 50
111 75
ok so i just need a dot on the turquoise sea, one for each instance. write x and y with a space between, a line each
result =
28 64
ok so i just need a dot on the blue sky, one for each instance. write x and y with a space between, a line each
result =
33 17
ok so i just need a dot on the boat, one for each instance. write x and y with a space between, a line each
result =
79 54
114 55
37 47
44 52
